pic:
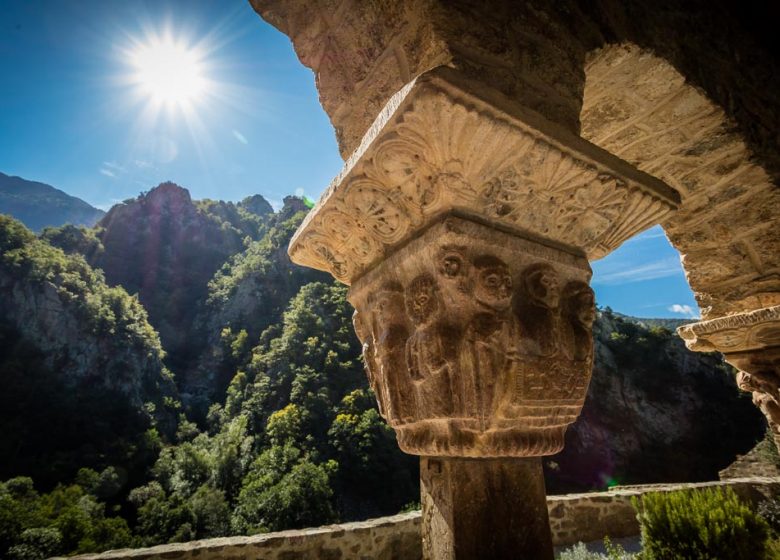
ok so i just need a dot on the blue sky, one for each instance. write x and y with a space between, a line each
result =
74 114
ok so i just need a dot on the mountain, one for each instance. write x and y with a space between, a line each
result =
199 267
38 205
81 368
251 411
166 248
649 323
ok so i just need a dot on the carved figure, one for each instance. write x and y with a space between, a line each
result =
366 338
579 312
429 348
391 334
538 310
490 339
764 397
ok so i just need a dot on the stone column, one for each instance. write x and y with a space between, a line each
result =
749 341
464 224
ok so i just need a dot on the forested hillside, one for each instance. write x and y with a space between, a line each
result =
260 417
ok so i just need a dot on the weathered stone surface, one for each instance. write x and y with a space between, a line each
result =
444 145
700 112
465 501
477 342
642 109
751 343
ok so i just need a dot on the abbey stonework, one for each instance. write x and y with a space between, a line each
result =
492 150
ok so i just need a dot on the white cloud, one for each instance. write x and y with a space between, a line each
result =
686 310
107 172
113 166
618 273
240 137
299 192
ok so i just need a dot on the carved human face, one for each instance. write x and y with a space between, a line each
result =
543 286
585 308
451 265
494 287
421 302
388 307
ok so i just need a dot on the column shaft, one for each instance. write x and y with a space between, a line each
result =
484 508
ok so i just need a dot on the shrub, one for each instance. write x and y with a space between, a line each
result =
769 510
704 524
613 552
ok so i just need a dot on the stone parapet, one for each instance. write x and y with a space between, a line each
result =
573 518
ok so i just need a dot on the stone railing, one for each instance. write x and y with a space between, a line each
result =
573 518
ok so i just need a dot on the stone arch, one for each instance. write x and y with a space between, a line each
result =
639 107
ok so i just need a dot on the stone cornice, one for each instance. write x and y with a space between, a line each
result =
751 330
444 145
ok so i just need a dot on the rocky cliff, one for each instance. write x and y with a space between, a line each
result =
81 368
165 248
655 412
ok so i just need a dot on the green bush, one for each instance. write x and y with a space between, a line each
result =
769 510
613 552
708 524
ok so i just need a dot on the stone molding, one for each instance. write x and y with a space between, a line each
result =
445 144
741 332
573 518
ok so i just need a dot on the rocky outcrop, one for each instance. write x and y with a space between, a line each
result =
649 398
163 248
81 367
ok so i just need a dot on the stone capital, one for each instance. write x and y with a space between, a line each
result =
750 342
752 330
477 342
444 144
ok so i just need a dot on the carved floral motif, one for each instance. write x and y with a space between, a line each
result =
438 149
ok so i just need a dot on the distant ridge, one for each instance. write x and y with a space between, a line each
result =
649 323
38 205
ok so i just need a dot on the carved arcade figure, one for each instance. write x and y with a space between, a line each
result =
390 336
538 309
429 351
371 367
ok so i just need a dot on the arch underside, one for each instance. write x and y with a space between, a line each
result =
621 75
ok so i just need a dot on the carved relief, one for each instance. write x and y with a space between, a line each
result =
496 341
734 333
438 148
751 343
390 334
429 350
365 335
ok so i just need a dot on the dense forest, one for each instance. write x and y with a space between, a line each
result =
170 375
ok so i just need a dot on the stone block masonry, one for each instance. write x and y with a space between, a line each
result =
573 518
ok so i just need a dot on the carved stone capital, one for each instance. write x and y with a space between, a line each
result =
751 343
477 342
752 330
444 144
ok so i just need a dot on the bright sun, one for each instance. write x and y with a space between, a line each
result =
168 72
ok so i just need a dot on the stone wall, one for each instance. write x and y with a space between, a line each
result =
590 517
573 518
